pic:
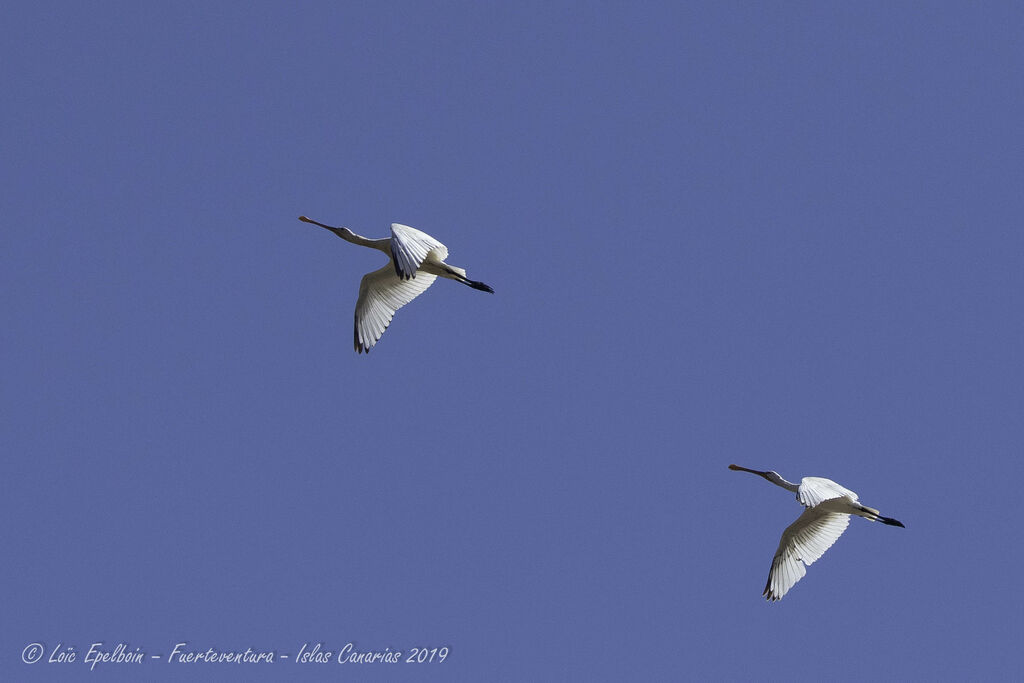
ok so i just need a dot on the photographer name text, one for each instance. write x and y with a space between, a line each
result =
119 654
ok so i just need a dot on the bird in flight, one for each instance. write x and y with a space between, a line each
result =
415 260
829 507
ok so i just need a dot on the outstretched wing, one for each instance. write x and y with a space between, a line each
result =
409 247
381 293
816 490
803 542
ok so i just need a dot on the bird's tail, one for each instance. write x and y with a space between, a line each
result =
459 274
871 514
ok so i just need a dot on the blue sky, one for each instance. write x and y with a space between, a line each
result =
781 235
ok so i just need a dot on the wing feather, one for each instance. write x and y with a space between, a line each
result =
381 293
409 248
803 542
816 490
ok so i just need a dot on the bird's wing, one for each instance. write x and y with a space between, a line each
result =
803 542
409 247
815 490
381 293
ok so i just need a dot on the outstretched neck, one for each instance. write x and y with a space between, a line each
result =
774 478
349 236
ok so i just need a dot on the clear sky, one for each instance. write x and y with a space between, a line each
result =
785 235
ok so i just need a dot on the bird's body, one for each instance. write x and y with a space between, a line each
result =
827 514
415 260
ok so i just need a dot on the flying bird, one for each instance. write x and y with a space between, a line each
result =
829 507
415 260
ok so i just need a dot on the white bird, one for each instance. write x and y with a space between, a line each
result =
829 507
415 260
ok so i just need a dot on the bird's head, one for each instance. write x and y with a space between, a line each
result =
771 476
336 231
737 468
